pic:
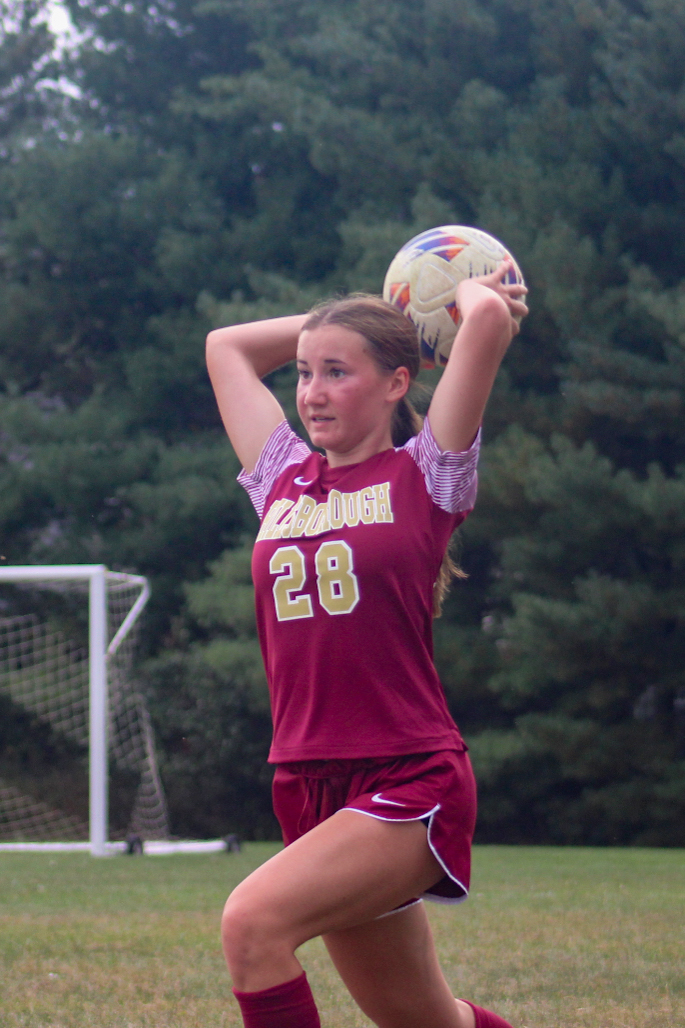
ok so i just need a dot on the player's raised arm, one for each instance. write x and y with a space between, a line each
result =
489 310
238 358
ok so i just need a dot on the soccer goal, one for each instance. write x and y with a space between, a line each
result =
76 729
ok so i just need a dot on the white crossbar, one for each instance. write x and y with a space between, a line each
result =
46 572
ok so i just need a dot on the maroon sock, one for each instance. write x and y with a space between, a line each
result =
290 1005
486 1019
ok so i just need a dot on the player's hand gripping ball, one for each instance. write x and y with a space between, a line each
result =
424 275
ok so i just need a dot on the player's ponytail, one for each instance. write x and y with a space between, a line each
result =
449 570
406 422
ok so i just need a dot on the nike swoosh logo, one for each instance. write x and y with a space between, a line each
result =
301 481
379 799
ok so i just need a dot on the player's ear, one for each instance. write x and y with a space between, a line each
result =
399 383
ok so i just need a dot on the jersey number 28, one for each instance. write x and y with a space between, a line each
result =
336 581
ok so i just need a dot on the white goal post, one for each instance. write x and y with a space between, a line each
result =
102 652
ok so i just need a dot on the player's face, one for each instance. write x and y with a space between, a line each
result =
344 399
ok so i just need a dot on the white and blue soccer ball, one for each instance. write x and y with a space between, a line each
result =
423 277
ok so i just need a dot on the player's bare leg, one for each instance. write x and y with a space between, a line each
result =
343 873
391 969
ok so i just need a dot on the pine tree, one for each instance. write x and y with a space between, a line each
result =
26 45
240 160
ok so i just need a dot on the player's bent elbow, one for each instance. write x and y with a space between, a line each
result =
490 305
491 320
213 345
223 352
222 339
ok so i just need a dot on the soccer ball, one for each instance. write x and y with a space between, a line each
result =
423 277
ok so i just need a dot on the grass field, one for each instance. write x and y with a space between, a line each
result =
550 938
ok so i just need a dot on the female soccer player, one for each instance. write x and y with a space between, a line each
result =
373 787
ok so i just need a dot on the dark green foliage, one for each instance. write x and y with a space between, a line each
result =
36 760
237 160
590 650
210 701
25 49
213 750
150 54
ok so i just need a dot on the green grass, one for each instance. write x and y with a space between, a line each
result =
551 938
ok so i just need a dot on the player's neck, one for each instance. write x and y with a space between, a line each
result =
367 447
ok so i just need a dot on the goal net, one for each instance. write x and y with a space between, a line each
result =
77 757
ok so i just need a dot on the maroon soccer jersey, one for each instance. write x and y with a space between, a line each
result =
344 566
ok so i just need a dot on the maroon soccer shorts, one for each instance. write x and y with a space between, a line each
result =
438 788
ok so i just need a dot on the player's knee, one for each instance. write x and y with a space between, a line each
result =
248 934
241 929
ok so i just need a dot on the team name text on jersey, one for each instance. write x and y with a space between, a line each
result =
290 519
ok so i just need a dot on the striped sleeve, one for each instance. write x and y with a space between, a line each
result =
282 448
451 478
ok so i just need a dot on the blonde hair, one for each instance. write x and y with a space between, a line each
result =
393 343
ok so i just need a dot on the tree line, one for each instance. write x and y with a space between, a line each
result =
187 165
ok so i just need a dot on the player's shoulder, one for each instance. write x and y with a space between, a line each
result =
450 478
283 449
424 440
